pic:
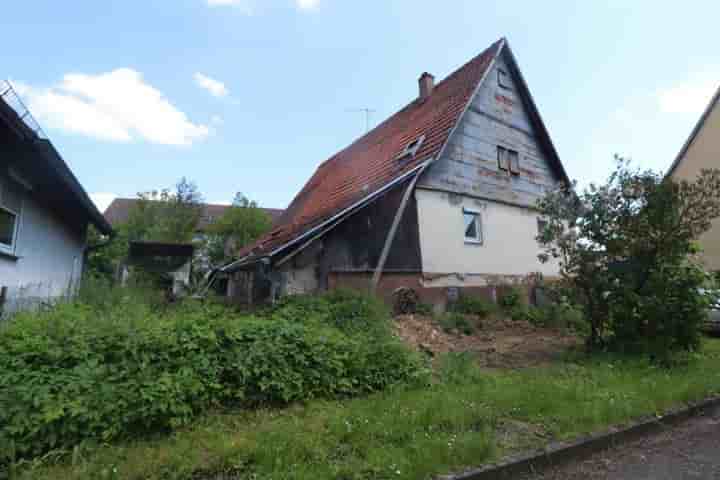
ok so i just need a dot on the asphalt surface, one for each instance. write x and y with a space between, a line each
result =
690 450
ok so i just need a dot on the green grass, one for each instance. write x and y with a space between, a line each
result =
409 434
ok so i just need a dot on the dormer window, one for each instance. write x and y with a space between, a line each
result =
411 148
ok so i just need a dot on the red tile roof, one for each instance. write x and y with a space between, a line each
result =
119 211
370 162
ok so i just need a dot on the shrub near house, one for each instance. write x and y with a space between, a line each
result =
626 249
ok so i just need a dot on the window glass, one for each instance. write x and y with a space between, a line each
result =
473 230
7 227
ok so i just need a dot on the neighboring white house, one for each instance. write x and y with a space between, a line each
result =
440 197
44 214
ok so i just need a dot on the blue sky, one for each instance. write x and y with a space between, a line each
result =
251 95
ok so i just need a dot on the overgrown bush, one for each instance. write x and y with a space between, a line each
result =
626 248
82 371
472 305
559 316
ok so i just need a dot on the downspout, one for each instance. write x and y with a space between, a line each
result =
393 229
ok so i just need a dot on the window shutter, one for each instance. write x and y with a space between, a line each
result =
502 155
514 161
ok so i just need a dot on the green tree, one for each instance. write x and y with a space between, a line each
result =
627 248
168 215
241 224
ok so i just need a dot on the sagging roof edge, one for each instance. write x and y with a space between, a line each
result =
54 160
698 126
337 218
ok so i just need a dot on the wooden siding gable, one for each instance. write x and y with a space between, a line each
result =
498 115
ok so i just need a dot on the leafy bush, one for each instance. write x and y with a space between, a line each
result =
511 299
626 247
81 371
558 315
471 305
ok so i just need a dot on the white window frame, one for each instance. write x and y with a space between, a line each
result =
5 248
479 239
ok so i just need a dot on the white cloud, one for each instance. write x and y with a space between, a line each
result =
690 97
215 87
102 199
307 4
117 106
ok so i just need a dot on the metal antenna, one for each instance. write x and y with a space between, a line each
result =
367 112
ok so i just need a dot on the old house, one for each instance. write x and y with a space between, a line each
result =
439 197
702 151
44 213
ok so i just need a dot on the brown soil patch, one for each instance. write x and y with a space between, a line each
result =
499 343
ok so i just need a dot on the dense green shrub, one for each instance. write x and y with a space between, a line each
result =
512 298
471 305
558 315
82 372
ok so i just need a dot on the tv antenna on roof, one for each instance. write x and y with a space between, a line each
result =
367 112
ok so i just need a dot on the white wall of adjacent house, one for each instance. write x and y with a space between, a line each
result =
497 166
45 260
505 247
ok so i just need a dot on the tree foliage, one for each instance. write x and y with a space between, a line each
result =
168 215
239 225
627 248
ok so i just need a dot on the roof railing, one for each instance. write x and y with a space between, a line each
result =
11 97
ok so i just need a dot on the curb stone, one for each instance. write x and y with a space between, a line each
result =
557 453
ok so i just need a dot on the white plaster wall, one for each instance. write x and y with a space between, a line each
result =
50 257
509 246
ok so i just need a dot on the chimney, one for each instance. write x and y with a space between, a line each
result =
426 83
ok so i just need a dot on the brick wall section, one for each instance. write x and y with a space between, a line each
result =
390 281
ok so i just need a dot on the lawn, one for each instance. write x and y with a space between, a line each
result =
467 418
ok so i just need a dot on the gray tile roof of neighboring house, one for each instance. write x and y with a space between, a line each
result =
119 211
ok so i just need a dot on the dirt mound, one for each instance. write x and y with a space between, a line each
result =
500 343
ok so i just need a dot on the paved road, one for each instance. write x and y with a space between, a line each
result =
688 451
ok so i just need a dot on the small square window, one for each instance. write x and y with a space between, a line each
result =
503 79
473 226
508 160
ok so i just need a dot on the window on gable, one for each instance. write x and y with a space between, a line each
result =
411 148
10 206
508 160
503 79
473 226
